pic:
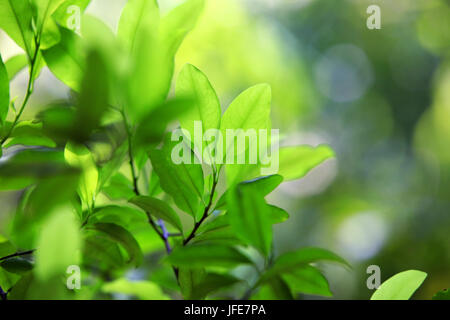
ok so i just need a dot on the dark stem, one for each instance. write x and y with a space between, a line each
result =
164 235
18 254
205 214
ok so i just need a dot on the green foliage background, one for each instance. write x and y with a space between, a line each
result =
86 174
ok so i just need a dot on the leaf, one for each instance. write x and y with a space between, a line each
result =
136 15
28 133
199 256
249 217
119 187
184 182
442 295
210 283
291 261
275 289
8 280
80 157
277 215
66 60
4 92
17 265
59 244
15 64
179 22
296 162
194 84
159 209
400 286
144 290
102 252
15 20
308 280
264 185
125 238
44 9
6 247
126 217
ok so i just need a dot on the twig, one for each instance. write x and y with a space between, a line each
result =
18 254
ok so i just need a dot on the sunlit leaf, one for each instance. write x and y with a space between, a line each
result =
144 290
15 20
400 286
59 244
4 92
15 64
80 157
66 59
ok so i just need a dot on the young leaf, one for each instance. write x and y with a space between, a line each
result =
66 60
144 290
80 157
296 162
199 256
179 22
249 217
159 209
58 245
28 133
15 64
400 286
15 20
4 92
125 238
44 9
194 84
264 185
137 14
278 215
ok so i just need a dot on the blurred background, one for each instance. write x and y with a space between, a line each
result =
380 98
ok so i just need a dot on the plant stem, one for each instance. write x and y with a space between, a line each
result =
17 254
164 235
205 213
30 88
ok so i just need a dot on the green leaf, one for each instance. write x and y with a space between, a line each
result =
66 60
125 238
159 209
296 162
8 279
59 244
137 15
400 286
199 256
17 265
126 217
264 185
249 217
119 187
6 247
277 215
274 289
179 22
102 252
292 261
192 83
4 92
308 280
184 182
442 295
28 133
15 20
144 290
44 9
15 64
65 16
210 283
80 157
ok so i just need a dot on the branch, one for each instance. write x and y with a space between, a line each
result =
18 254
205 214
